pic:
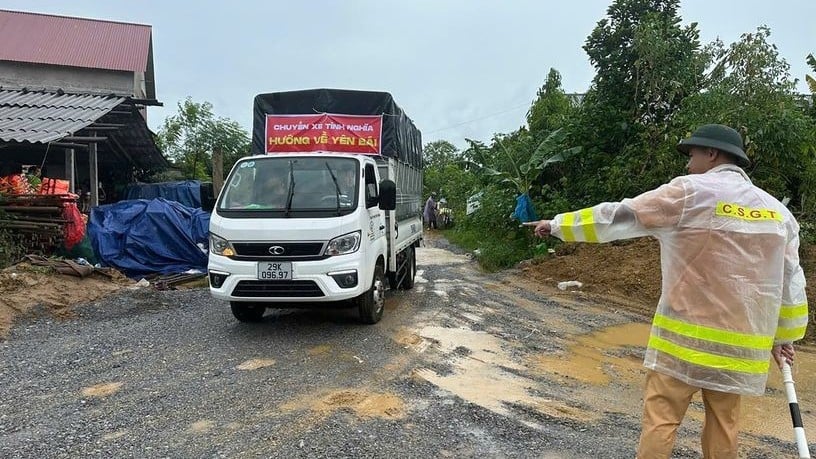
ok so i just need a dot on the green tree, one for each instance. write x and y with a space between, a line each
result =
190 136
811 82
646 64
551 107
447 173
521 175
750 88
439 153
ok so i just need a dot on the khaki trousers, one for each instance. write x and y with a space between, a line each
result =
665 402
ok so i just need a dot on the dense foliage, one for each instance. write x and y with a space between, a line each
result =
11 248
655 82
189 138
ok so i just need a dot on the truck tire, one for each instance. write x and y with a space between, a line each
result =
247 312
371 303
408 280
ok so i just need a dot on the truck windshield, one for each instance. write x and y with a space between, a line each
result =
292 185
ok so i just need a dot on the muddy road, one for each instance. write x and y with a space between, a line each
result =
465 365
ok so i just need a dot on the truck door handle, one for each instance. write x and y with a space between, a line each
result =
382 227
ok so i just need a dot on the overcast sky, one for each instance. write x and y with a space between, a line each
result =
460 69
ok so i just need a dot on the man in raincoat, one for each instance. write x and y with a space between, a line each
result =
733 293
429 212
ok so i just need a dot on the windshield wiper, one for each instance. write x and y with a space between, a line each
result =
336 186
291 187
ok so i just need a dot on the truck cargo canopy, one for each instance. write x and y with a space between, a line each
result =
398 137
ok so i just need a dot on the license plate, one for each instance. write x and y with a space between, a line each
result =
274 270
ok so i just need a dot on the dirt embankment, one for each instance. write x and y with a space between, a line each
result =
27 290
627 273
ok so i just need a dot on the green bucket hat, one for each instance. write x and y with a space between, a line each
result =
717 136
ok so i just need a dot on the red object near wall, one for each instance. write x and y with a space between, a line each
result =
14 185
75 226
54 186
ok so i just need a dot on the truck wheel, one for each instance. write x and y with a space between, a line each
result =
408 277
247 312
408 280
372 302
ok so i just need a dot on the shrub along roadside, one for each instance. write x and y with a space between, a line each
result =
493 254
11 250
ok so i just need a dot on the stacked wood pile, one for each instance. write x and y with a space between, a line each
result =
37 220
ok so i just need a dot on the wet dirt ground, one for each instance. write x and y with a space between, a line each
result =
466 364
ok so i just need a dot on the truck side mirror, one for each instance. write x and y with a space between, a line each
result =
388 195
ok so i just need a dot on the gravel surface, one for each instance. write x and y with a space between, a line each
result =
446 373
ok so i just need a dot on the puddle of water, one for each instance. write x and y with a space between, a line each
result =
321 349
770 415
429 256
114 435
363 404
201 426
483 346
471 317
408 338
480 379
481 384
605 356
601 356
551 319
418 279
102 390
254 364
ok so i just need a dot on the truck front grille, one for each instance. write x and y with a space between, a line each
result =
295 251
285 289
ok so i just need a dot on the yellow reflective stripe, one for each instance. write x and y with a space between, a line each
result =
790 333
714 335
588 224
793 311
566 227
709 360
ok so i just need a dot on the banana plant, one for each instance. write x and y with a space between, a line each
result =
522 175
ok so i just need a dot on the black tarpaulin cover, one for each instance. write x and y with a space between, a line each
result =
400 138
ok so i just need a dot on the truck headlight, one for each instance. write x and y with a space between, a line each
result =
221 246
347 243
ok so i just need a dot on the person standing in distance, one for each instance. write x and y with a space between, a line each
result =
430 211
733 292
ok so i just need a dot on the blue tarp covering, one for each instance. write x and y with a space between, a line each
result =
144 237
187 192
524 209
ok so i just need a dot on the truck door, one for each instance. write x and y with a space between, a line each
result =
376 218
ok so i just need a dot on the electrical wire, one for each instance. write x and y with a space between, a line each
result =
481 118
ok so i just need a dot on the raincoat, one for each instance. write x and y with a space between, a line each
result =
732 286
430 210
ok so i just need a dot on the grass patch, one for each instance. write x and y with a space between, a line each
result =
496 253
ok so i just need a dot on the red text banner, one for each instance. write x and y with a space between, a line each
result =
324 132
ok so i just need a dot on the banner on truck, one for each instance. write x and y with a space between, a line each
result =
324 132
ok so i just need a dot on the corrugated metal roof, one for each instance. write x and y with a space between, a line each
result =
41 117
76 42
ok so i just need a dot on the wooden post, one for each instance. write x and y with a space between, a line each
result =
69 169
94 174
218 170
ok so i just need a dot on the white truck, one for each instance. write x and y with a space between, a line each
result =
327 210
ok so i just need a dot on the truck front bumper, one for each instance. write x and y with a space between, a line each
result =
312 281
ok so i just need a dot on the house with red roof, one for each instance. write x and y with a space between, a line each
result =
74 94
